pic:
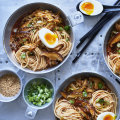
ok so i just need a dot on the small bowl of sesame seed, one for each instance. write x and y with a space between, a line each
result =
10 85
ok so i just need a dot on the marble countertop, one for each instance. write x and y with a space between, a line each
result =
91 60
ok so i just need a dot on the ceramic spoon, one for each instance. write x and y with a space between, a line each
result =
94 7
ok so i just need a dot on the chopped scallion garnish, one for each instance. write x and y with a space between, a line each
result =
118 45
100 85
24 40
67 39
60 29
67 28
23 55
71 101
29 25
84 94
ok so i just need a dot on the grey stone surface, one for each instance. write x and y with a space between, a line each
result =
91 60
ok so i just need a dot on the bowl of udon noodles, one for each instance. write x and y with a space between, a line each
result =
111 48
38 38
86 96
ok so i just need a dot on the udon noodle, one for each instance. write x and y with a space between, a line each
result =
26 44
85 99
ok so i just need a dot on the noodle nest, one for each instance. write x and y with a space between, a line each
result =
114 62
109 98
64 110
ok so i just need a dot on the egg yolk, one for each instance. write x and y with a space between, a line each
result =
88 7
108 117
50 38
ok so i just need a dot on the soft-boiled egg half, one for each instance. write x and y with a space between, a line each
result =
48 38
106 116
91 7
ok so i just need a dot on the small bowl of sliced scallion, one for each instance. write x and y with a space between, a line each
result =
38 93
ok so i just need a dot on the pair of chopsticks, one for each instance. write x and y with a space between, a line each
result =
94 31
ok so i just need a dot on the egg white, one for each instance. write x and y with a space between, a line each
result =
42 33
98 7
102 115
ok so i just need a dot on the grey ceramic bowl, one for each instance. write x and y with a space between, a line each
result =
106 39
32 109
9 99
26 9
87 74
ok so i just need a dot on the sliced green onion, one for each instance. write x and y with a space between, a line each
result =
46 90
51 90
115 116
47 95
91 84
102 101
23 55
84 94
39 103
39 21
30 99
118 51
54 29
60 29
40 90
118 45
48 100
29 25
71 88
71 101
33 30
67 28
100 85
62 34
67 39
97 100
107 102
114 32
39 93
24 40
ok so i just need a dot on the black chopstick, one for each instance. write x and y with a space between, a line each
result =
90 32
117 81
84 48
92 36
114 8
96 26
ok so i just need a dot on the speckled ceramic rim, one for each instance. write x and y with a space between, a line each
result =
106 38
5 71
7 27
71 78
36 107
